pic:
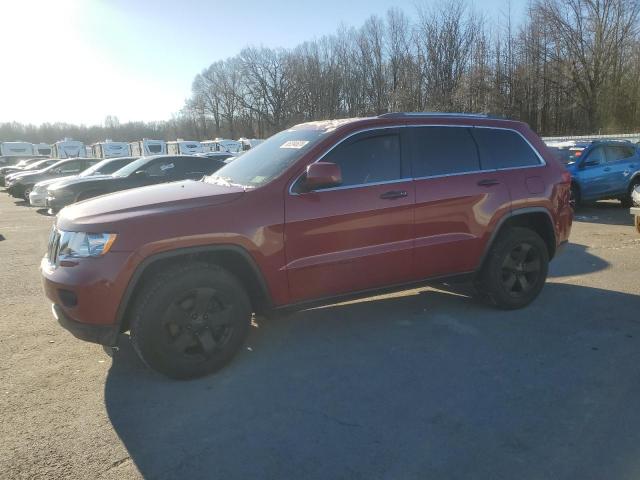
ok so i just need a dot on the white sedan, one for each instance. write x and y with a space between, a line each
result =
38 195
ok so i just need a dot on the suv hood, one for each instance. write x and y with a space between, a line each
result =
94 215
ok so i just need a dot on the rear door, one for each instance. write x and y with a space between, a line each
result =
455 200
622 162
359 235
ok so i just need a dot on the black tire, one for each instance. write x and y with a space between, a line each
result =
575 195
178 327
26 193
627 200
515 270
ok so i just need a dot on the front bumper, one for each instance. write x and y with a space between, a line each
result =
37 199
635 197
102 334
87 294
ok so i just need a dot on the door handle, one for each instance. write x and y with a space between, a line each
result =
488 182
393 194
607 169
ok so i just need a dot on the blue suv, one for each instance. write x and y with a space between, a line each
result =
604 170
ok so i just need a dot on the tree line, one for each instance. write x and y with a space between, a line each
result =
569 67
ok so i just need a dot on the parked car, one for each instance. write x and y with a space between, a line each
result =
144 171
605 170
318 212
38 195
31 167
21 185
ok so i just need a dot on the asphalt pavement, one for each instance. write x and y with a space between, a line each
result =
420 384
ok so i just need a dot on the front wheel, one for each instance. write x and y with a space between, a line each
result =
515 270
190 321
25 195
627 200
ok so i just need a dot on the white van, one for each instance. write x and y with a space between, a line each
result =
15 149
109 149
42 149
184 147
67 148
145 147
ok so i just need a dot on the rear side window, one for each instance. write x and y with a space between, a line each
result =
442 151
368 158
615 153
503 149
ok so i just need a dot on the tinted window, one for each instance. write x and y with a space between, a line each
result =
160 168
619 152
442 151
596 156
71 167
367 158
503 149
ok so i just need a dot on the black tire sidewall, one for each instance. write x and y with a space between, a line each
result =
147 330
491 278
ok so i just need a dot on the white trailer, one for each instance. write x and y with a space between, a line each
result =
109 149
67 148
42 149
145 147
184 147
222 145
249 143
16 149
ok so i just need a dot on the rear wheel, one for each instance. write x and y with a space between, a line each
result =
515 270
190 321
27 192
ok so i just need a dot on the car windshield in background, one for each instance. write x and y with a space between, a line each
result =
132 167
106 167
266 161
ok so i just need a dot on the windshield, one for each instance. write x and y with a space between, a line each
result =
106 167
266 161
132 167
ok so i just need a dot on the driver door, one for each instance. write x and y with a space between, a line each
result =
356 236
594 173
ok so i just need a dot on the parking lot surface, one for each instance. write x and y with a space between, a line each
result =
424 383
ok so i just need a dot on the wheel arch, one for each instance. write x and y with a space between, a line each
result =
233 258
537 219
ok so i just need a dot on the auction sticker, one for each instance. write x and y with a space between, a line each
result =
294 144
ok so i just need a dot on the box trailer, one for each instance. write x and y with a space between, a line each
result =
184 147
146 146
109 149
67 148
42 149
16 149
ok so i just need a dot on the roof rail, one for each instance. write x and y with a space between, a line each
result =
434 114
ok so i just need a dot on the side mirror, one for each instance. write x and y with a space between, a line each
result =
323 175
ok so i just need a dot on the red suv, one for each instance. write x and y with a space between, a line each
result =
317 212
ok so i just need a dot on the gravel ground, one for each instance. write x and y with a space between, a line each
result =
421 384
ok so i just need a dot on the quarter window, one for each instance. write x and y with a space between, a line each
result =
442 151
368 158
503 149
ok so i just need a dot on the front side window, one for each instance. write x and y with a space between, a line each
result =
368 158
503 149
71 167
442 151
596 157
161 168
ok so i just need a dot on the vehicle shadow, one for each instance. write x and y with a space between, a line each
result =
423 385
576 260
608 212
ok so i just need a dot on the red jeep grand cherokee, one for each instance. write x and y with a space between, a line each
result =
317 212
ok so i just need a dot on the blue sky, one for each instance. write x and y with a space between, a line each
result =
80 60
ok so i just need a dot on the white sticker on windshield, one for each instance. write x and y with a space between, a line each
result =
294 144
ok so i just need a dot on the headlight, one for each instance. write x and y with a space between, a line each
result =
82 245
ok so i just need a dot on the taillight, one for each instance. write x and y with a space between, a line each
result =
565 178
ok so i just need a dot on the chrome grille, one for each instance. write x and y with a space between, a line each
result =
54 246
